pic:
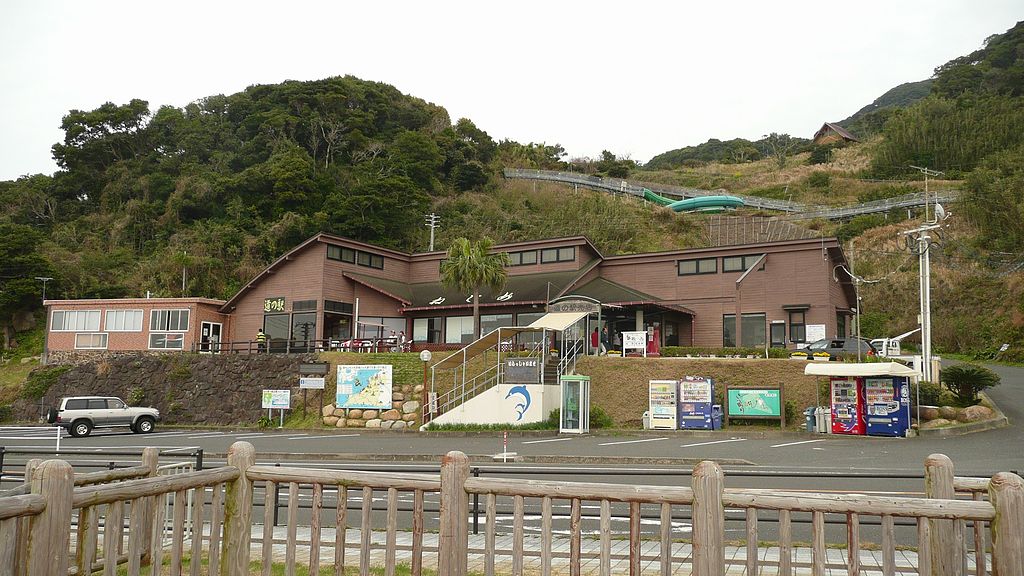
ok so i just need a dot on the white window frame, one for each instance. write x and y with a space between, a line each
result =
180 335
155 311
112 326
75 328
103 338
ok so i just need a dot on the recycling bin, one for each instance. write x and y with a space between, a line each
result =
716 417
809 418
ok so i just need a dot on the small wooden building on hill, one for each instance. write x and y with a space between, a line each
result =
831 134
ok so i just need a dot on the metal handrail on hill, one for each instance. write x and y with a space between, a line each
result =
795 211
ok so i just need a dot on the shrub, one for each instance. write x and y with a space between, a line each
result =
819 179
931 394
967 380
40 380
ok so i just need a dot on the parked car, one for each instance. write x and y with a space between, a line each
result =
80 414
846 347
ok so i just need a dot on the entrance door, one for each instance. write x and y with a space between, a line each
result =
209 338
778 333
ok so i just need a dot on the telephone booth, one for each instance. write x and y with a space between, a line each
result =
575 408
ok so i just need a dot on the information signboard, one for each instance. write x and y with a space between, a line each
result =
522 371
755 403
634 341
311 383
277 399
364 386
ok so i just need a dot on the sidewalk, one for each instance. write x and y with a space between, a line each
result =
735 556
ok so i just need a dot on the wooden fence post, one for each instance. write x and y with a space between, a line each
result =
1006 493
234 560
50 531
708 520
151 460
21 549
453 540
938 483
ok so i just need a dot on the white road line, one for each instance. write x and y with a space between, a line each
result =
548 440
207 435
796 443
251 435
631 441
166 434
714 442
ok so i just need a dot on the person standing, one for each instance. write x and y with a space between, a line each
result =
604 340
261 340
595 340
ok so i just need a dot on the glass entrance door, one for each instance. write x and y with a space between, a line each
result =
209 338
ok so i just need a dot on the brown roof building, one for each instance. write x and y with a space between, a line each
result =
330 289
832 133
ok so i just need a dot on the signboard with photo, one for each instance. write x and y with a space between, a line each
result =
364 386
277 399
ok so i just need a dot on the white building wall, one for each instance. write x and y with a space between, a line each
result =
503 404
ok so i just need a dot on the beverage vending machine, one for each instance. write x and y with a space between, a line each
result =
888 405
847 406
696 398
663 399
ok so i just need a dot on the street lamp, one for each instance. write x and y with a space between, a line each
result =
44 280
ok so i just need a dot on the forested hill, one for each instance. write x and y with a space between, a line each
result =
227 183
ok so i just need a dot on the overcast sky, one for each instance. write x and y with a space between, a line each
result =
637 78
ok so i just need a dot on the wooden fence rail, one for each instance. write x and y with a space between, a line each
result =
121 522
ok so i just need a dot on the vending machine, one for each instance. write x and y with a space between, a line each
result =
663 400
696 397
888 405
847 406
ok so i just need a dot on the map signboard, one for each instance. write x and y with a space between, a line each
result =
364 386
754 403
277 399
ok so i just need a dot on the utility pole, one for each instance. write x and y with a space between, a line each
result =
433 221
44 280
184 255
923 243
46 321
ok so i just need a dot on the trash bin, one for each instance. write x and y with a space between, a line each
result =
823 419
716 417
809 419
647 420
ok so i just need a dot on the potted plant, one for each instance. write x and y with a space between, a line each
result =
798 355
822 356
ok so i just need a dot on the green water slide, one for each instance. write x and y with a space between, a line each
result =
699 204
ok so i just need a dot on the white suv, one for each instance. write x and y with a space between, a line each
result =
80 414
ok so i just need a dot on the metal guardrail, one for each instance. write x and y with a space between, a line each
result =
794 210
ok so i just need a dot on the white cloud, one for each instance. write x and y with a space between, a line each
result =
635 78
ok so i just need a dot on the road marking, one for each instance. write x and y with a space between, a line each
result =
631 441
166 434
548 440
207 435
796 443
251 435
714 442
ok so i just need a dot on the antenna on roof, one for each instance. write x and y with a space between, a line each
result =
433 221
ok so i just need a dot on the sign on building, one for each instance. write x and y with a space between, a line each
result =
522 371
575 306
273 304
364 386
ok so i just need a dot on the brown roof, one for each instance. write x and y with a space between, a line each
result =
837 129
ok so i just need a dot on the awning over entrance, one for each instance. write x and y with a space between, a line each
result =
489 340
558 321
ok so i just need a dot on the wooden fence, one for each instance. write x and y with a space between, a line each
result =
56 528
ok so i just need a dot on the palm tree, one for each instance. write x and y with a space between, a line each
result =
471 266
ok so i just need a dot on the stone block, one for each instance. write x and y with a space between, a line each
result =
976 413
328 410
937 423
330 420
398 425
341 423
948 412
410 407
356 423
410 417
369 414
386 424
373 423
340 412
397 396
355 413
929 413
418 388
391 415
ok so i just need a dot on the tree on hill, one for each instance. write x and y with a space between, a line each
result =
470 266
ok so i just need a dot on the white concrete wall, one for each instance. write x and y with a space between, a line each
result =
497 406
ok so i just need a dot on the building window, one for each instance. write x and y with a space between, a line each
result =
753 335
165 341
341 254
75 321
303 328
168 321
491 322
124 321
840 325
729 330
339 307
797 326
458 329
550 255
302 305
698 266
426 330
522 258
91 341
739 263
379 327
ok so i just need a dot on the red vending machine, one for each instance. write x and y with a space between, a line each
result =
848 406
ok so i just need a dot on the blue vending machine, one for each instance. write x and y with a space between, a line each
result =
696 397
888 405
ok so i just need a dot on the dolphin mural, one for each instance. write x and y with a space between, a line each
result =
523 406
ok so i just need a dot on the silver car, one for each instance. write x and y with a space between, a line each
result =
80 414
